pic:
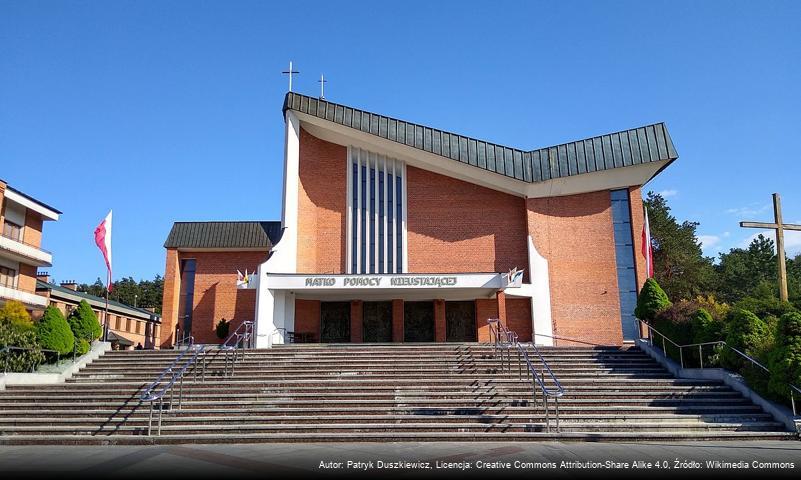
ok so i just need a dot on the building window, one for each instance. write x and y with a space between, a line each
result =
376 217
8 277
12 230
624 255
187 299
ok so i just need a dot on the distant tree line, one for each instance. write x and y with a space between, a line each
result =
684 272
143 294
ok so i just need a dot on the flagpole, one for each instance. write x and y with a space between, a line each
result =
105 319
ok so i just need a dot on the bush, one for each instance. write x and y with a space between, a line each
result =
718 310
83 322
223 326
53 332
81 346
16 335
651 300
748 334
15 313
705 327
765 306
785 361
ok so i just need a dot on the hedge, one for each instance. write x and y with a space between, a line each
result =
14 334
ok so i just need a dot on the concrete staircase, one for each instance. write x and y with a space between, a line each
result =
410 392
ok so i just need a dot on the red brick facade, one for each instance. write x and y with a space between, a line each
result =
456 226
575 234
322 205
453 226
215 293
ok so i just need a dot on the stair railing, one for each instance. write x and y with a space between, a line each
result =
235 345
651 331
164 384
505 340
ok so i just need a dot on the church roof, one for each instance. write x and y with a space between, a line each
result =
224 235
649 143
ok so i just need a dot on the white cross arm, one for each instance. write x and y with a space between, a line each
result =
771 226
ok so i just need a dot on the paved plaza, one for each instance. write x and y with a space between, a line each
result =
758 459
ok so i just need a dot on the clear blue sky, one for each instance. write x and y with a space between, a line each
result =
171 110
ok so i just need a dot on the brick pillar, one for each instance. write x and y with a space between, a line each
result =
356 323
397 321
439 321
172 295
501 297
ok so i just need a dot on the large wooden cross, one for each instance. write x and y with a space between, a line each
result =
780 228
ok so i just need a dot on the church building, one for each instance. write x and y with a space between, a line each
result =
393 231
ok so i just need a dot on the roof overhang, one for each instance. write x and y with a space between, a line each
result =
27 202
610 179
407 286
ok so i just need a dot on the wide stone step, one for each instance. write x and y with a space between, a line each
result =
296 437
401 395
236 429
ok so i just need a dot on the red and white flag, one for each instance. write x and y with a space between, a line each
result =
103 241
647 247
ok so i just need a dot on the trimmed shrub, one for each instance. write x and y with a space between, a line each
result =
651 300
748 334
14 312
705 328
84 323
16 335
53 332
81 346
785 361
222 329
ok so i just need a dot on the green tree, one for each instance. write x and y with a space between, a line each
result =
53 332
651 300
14 312
84 323
679 264
743 271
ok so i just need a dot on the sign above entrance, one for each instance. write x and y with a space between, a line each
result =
401 281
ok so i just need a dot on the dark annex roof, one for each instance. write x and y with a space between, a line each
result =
114 306
228 235
650 143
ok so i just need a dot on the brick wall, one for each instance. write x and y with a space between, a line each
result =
575 234
307 317
518 317
456 226
486 308
215 294
170 297
322 206
32 235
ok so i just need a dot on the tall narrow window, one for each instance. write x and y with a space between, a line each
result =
375 213
187 298
624 256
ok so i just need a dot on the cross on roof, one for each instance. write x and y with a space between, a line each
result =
290 72
779 227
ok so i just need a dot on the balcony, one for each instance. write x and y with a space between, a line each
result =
28 254
28 298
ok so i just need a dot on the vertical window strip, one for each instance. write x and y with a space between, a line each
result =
624 251
376 216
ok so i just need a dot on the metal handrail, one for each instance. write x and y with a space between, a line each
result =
9 348
505 339
173 374
235 344
700 346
